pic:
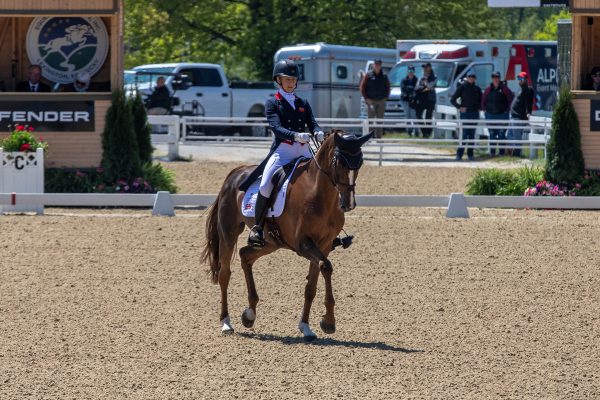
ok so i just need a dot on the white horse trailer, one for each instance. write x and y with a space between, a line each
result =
330 75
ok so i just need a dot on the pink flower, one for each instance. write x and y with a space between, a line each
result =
25 147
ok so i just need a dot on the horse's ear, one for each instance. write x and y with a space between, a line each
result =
364 139
338 139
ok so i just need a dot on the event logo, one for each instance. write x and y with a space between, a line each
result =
66 46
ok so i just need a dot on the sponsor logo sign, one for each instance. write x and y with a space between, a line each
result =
49 116
66 46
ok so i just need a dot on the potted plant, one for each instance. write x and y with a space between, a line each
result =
22 165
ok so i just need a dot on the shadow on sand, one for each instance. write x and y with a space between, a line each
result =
327 342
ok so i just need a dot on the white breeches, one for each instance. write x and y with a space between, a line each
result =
284 154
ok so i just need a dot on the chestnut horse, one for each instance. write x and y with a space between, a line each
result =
319 193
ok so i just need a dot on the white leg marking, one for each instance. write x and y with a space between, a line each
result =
351 175
249 314
305 330
226 325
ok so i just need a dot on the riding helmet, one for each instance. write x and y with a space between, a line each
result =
285 68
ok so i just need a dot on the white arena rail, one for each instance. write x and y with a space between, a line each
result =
535 132
164 203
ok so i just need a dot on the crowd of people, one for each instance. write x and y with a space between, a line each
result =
497 103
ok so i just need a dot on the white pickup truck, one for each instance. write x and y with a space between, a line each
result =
203 89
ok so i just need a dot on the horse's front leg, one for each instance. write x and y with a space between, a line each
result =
328 321
318 262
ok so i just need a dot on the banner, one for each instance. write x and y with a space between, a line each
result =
49 116
594 115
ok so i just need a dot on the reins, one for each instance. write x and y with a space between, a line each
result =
333 162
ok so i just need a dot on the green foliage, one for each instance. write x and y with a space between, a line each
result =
550 29
160 178
120 156
565 163
96 180
22 139
243 35
142 129
504 182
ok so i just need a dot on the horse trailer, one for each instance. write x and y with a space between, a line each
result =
330 75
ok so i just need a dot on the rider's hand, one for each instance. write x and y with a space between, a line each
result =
320 136
302 137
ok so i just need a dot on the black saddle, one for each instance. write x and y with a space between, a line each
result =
280 176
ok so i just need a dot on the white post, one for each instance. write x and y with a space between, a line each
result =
174 130
365 126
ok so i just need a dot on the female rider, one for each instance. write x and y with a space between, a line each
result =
288 117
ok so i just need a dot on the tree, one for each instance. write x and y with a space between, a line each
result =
550 28
244 35
564 162
142 129
120 156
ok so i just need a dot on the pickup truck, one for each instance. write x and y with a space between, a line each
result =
203 89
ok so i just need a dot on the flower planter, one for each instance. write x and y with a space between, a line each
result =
22 172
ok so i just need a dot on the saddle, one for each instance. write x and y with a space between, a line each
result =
276 202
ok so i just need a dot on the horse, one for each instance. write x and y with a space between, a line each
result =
320 191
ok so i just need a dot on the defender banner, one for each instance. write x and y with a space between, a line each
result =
528 3
49 116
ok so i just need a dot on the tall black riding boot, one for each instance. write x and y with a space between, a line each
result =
257 237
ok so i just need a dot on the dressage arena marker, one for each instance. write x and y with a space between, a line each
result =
164 203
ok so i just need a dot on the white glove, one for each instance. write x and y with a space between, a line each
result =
302 137
320 136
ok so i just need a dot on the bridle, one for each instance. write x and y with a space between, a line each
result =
337 155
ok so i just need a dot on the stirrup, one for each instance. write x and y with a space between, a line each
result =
256 237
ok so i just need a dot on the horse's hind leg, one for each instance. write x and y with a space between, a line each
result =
225 254
248 256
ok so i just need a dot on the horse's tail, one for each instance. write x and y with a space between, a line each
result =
210 253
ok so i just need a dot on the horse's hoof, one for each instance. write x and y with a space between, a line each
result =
227 332
226 328
248 318
327 328
309 338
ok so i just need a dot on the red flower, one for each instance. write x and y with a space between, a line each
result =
30 129
25 147
41 138
20 128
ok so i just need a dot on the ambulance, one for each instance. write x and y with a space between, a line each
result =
452 59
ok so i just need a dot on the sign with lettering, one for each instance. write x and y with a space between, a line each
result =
49 116
594 115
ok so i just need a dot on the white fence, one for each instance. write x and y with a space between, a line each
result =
535 135
164 203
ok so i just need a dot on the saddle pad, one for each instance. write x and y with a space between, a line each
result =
276 210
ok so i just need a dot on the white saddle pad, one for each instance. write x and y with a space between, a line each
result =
276 210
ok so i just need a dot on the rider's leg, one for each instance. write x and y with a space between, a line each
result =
256 237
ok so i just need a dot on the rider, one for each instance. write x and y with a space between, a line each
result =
288 117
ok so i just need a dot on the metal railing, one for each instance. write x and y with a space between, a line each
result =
535 133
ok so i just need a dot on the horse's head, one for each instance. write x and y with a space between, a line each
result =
346 161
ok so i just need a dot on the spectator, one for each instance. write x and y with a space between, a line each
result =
81 84
520 110
407 88
469 95
159 101
496 102
595 82
375 88
33 84
425 97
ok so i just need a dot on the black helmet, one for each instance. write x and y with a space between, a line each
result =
285 68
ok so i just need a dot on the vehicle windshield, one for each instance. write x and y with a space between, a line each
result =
149 75
129 77
442 70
